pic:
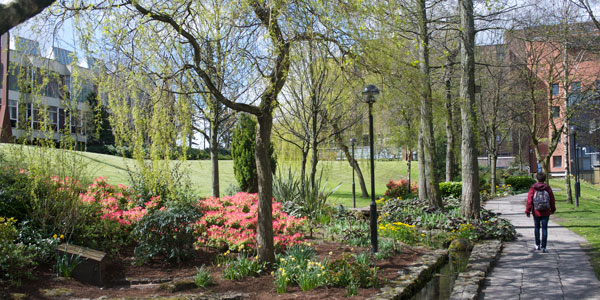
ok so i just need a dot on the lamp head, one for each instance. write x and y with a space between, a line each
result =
573 128
369 93
352 141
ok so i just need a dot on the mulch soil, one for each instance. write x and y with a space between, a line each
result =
261 287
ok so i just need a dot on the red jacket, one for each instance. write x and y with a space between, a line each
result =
540 186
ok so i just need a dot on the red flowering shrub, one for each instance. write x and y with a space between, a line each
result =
230 222
399 189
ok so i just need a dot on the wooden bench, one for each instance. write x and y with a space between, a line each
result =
91 267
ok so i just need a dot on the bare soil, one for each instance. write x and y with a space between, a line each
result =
262 287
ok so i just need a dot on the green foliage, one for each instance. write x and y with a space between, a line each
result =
43 247
16 259
167 232
451 189
298 266
346 271
519 183
242 152
66 263
15 199
243 266
243 143
203 278
286 189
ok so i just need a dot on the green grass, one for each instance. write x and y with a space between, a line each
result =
583 220
114 168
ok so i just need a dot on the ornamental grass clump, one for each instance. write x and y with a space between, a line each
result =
230 223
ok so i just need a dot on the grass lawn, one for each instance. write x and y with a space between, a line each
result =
583 220
199 171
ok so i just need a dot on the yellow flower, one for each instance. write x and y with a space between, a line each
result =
55 236
62 237
330 252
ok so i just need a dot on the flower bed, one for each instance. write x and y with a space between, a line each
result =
230 222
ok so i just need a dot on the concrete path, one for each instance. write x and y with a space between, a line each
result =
523 273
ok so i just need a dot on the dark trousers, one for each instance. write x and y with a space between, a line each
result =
543 223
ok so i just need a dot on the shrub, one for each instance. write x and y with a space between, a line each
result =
231 221
519 183
16 259
167 232
399 189
345 271
451 189
242 151
15 198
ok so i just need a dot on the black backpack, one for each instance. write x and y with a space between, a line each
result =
541 200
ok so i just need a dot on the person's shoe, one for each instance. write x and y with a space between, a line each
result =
544 250
537 247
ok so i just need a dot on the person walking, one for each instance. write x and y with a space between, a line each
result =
540 202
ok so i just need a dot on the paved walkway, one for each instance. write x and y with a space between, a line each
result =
522 273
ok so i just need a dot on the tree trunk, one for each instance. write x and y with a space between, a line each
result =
16 12
353 163
428 147
264 231
408 165
214 158
470 173
493 169
449 132
422 182
313 165
568 168
303 165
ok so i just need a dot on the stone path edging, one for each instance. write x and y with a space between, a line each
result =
413 277
482 258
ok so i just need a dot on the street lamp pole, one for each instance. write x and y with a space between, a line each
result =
369 94
353 142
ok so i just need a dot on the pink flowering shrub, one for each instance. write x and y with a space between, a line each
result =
230 222
400 189
117 203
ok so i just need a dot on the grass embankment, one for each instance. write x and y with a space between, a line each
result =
115 169
583 220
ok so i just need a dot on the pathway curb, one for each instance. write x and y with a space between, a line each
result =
482 258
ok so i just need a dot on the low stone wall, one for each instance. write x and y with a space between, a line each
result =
483 257
413 277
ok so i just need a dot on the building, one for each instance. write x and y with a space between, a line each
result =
561 80
46 91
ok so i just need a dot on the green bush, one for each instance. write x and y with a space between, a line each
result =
519 183
16 259
243 143
167 233
15 198
243 266
451 189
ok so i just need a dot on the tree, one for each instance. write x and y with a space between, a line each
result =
470 205
15 12
313 100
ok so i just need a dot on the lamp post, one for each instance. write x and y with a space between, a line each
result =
573 130
353 142
369 94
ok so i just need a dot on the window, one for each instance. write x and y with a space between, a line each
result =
13 112
575 86
555 111
557 161
555 89
53 114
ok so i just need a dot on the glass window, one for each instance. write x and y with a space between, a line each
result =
576 86
555 89
557 161
13 108
555 111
